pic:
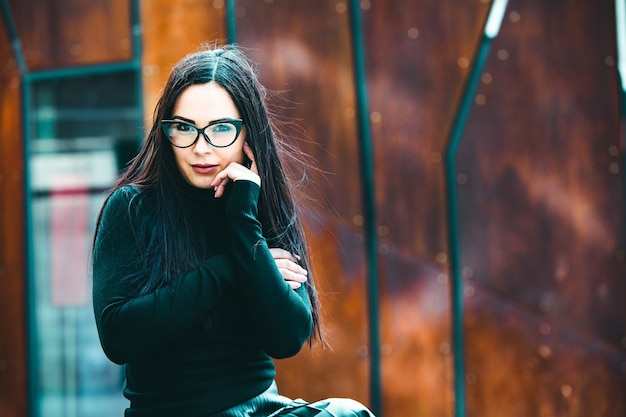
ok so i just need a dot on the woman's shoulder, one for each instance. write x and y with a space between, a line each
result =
123 195
122 198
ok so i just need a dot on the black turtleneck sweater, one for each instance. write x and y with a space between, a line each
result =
202 343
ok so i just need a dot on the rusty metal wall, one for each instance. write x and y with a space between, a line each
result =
540 186
542 200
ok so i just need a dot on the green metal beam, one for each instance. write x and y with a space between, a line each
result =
231 21
369 202
83 71
7 17
492 28
136 62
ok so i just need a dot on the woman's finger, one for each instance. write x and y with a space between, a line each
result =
294 285
289 275
285 259
219 189
233 172
291 271
278 253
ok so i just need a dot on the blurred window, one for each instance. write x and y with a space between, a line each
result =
84 130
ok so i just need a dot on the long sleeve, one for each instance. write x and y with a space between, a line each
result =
129 327
282 317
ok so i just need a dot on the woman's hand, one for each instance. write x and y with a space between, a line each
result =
288 266
235 172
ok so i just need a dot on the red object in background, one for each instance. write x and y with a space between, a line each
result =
69 244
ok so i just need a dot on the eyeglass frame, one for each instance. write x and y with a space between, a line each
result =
238 123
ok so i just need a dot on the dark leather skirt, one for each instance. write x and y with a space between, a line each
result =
271 404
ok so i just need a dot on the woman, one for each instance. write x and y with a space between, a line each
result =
199 261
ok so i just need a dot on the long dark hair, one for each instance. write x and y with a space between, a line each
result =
169 235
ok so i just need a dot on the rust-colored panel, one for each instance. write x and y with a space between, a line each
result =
171 30
66 33
521 364
542 215
418 54
303 53
13 374
342 369
416 68
415 332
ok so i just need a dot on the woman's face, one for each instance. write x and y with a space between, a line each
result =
199 105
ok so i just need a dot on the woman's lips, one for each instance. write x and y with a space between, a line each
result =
204 168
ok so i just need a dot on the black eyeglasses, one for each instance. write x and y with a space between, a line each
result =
219 133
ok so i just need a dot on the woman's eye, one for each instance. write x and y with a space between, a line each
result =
221 128
183 128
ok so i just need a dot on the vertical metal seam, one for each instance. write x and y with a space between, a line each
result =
492 26
369 201
31 300
13 36
231 21
137 31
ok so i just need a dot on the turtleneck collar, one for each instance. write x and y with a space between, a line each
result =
195 193
204 197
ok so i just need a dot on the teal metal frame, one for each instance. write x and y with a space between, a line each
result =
231 21
492 27
28 78
366 155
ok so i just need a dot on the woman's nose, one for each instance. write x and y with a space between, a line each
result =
202 145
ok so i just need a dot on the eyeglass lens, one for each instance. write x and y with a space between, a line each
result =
183 134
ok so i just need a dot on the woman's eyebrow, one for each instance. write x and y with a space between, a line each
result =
184 119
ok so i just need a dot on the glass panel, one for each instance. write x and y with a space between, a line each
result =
84 132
